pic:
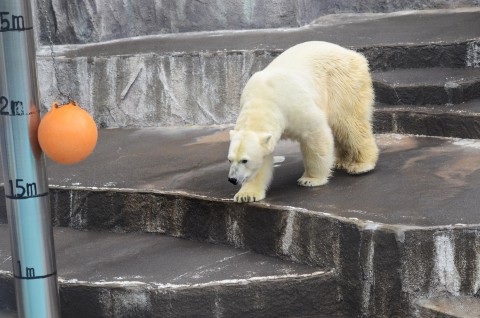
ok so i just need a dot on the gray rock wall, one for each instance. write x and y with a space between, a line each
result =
198 88
197 78
80 21
87 21
151 90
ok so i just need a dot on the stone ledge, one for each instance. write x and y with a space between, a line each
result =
8 313
460 121
427 86
160 159
141 275
406 262
449 307
97 21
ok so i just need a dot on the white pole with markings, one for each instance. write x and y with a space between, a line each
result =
25 181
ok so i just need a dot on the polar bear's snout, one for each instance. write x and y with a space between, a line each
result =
238 174
246 156
233 177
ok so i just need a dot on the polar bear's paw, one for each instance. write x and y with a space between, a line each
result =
311 182
359 168
339 165
249 196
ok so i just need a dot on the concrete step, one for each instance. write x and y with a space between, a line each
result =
197 78
97 21
461 121
147 275
8 314
449 307
405 231
431 86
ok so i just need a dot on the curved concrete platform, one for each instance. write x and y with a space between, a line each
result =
8 314
445 307
80 22
427 86
145 275
406 230
419 181
461 120
350 30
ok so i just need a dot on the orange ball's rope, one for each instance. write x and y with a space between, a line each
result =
70 101
61 95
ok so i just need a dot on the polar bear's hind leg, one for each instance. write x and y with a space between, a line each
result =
356 149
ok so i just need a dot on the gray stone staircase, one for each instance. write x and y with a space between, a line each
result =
196 78
145 275
427 86
135 222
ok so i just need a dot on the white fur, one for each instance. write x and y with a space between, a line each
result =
317 93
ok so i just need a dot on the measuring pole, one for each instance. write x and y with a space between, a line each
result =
25 181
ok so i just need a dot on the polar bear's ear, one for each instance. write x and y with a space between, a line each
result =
268 142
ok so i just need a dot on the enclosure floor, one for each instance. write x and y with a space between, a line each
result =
418 181
157 260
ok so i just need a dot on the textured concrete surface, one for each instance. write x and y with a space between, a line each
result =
358 31
197 78
433 174
92 21
84 22
461 307
429 86
407 230
419 180
461 120
137 275
156 260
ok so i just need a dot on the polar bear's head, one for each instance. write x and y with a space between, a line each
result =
246 154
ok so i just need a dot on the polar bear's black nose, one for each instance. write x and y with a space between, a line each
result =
233 180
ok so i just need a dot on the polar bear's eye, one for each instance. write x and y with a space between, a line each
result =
229 160
244 161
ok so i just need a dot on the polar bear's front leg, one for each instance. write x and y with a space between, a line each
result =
255 188
318 156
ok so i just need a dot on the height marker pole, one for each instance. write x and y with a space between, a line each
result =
25 180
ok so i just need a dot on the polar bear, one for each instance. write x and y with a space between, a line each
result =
317 93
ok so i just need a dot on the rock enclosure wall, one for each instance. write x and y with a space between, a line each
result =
80 21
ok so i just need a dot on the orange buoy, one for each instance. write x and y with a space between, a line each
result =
67 133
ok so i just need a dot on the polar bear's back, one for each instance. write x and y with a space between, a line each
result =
308 78
317 54
338 72
338 79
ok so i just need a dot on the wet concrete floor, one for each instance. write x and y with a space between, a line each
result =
419 181
104 258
